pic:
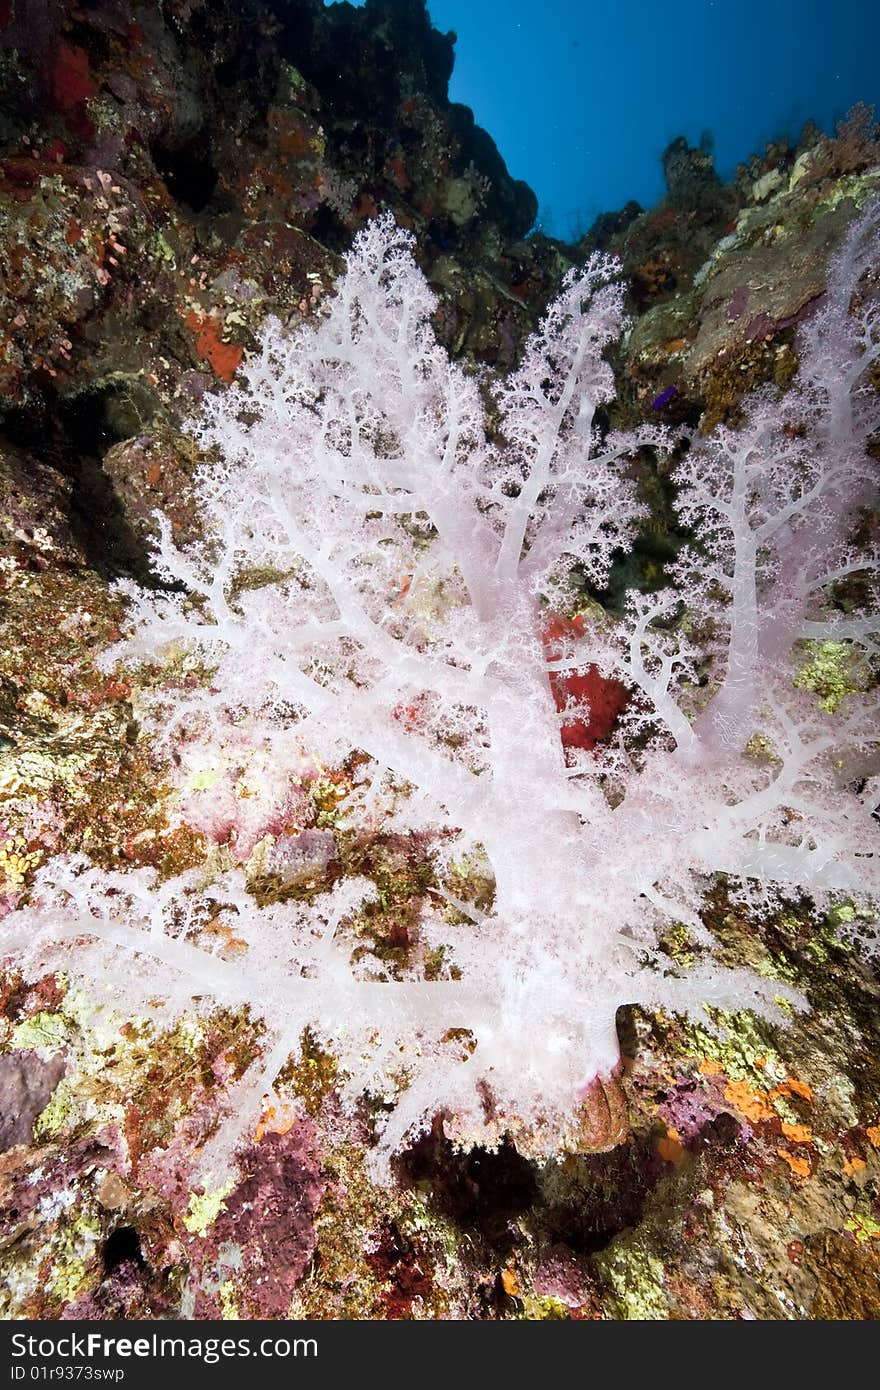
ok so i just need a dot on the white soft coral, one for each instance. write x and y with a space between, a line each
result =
374 579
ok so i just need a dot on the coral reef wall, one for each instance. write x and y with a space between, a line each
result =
171 174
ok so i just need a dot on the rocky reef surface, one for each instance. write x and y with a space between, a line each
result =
171 175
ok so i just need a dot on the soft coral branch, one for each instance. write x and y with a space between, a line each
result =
372 588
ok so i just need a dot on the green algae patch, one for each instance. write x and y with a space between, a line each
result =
205 1208
637 1279
42 1030
832 672
57 1115
744 1054
863 1227
73 1253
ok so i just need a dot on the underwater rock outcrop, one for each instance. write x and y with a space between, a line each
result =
171 177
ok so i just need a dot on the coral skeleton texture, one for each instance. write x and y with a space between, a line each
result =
378 568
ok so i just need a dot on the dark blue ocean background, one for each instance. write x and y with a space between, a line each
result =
581 97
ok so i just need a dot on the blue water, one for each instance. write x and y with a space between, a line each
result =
581 96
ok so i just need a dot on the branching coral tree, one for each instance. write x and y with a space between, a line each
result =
372 589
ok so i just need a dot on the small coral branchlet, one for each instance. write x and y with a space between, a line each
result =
372 591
